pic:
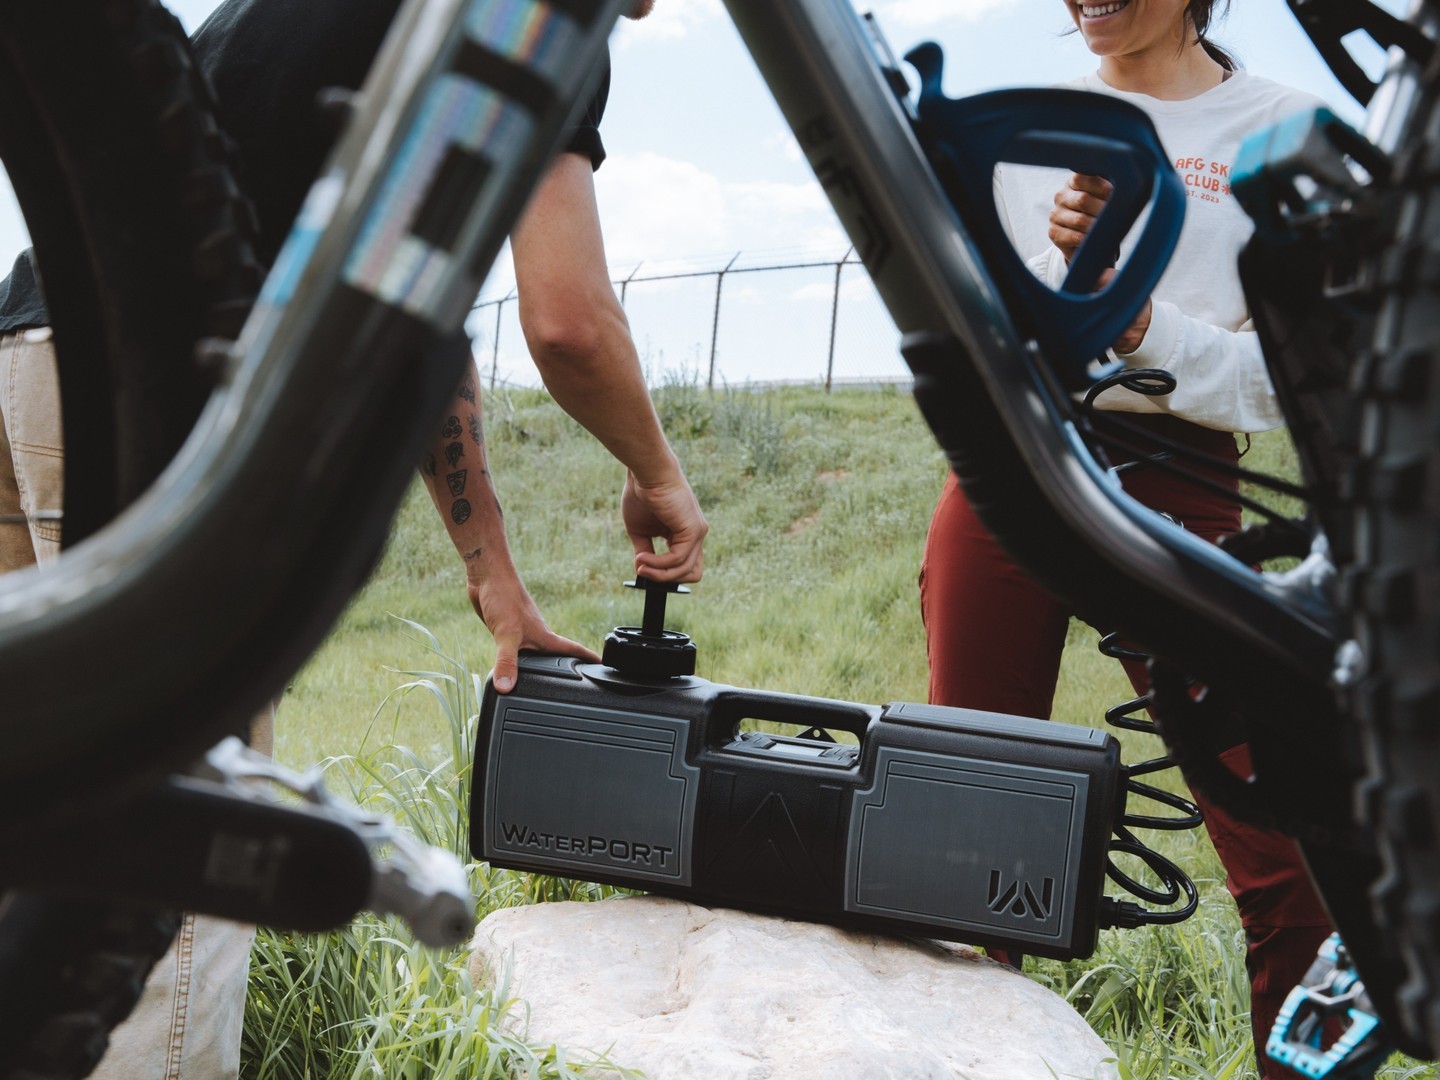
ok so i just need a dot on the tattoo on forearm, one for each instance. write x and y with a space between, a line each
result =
461 509
471 556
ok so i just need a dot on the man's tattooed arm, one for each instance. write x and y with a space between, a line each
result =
455 472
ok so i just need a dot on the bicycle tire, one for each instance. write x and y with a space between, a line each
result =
85 965
145 241
1391 590
143 232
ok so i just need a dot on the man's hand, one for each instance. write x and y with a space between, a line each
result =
505 607
667 510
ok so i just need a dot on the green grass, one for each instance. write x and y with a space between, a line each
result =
818 507
366 1001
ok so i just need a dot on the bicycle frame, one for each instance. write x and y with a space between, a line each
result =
928 272
1010 437
349 329
260 518
934 283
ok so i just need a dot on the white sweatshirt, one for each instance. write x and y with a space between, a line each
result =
1200 327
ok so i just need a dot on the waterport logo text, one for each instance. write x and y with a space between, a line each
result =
611 849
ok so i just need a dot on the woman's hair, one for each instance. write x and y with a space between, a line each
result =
1200 14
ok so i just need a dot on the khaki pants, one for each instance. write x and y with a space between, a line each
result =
31 473
187 1023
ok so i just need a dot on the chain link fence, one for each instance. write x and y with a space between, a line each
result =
765 321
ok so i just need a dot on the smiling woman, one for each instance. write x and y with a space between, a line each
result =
1156 47
994 636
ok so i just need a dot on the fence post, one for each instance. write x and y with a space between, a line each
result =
624 285
715 325
834 318
495 346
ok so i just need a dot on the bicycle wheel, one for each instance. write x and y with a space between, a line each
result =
120 170
1393 590
107 135
84 965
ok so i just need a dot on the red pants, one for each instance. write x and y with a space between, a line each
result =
994 639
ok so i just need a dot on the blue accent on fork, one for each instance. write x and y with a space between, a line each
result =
1315 144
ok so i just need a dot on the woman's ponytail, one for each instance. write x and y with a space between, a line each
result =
1200 14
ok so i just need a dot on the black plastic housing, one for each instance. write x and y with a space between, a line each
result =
944 823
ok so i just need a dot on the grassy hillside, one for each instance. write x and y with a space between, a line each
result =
818 506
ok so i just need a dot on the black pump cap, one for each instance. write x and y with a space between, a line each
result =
649 650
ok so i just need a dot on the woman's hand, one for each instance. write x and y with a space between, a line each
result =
1130 340
1077 205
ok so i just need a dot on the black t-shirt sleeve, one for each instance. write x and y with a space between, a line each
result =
21 304
268 61
586 138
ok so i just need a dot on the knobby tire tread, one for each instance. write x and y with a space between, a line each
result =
1393 588
107 131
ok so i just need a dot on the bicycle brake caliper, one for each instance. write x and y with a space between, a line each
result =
1331 997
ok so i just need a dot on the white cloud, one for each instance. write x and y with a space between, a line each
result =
784 215
670 21
654 207
924 14
816 290
657 208
782 141
747 294
778 197
854 288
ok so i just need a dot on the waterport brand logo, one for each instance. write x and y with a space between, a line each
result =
1019 898
597 848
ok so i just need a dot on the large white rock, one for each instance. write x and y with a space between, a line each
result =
682 992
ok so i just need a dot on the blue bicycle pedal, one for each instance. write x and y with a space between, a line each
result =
1331 997
1300 166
